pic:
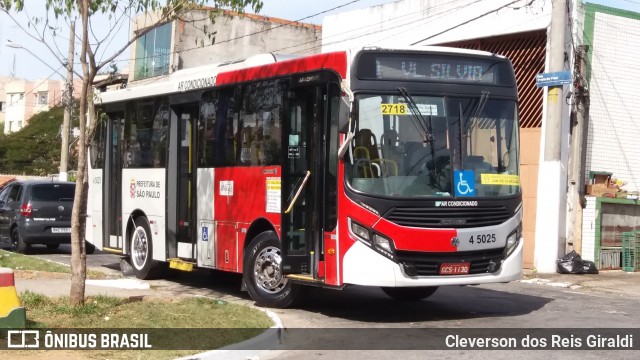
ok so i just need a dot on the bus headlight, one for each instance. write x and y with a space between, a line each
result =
513 239
360 231
382 242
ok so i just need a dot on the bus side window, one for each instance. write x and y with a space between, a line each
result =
260 135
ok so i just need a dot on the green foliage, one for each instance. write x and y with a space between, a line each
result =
35 149
169 8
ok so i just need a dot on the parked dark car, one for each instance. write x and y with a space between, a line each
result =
37 212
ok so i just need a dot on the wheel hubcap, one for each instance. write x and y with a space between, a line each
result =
267 271
139 247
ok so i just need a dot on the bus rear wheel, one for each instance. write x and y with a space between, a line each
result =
141 250
262 272
409 293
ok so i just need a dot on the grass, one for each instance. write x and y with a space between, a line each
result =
103 312
24 262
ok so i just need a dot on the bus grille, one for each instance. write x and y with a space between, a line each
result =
428 264
442 217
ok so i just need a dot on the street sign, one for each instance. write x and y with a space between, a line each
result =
554 78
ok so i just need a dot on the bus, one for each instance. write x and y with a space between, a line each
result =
391 168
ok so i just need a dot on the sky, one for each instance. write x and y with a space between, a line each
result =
36 61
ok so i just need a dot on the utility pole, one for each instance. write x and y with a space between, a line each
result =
577 158
550 219
68 106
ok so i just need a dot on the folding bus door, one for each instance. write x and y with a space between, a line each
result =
302 180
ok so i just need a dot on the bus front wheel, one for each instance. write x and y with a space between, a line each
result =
262 272
141 250
409 293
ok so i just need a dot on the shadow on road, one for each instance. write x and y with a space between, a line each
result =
448 303
367 304
354 303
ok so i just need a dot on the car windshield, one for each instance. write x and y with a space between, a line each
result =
408 145
52 192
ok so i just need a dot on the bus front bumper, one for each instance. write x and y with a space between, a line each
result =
364 266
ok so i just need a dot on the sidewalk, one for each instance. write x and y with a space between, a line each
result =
58 284
607 281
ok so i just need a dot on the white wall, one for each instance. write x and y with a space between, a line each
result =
408 21
14 105
614 127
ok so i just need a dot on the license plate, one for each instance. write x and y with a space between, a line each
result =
454 268
61 230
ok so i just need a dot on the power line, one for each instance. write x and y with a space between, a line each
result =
470 20
401 27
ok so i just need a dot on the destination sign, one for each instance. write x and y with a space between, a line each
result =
433 67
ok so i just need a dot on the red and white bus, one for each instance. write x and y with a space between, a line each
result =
395 168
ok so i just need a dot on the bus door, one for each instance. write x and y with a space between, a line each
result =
180 193
302 179
112 206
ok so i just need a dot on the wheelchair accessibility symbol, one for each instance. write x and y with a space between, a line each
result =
464 182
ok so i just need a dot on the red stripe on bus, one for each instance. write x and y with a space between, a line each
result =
336 61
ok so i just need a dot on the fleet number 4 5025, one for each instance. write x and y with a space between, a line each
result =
482 239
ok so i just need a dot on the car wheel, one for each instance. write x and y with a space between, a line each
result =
17 244
141 250
409 293
89 248
263 275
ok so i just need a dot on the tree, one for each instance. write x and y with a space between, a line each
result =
90 45
34 149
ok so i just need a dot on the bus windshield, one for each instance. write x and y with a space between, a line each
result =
406 145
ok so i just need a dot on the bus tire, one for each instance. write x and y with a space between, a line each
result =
262 273
141 250
409 293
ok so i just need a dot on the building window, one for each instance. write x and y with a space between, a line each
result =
1 106
15 98
43 98
152 53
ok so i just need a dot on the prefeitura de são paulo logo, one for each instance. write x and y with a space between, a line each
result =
132 188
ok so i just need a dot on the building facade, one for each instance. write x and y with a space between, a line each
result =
23 98
194 41
611 147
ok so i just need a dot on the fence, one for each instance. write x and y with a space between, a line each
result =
631 251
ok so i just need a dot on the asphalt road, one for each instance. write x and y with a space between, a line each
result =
515 305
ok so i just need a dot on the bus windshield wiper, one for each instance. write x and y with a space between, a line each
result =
425 126
418 118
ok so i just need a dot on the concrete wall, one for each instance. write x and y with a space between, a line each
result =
409 21
236 37
614 121
529 163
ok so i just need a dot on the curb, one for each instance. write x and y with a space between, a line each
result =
12 315
248 349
